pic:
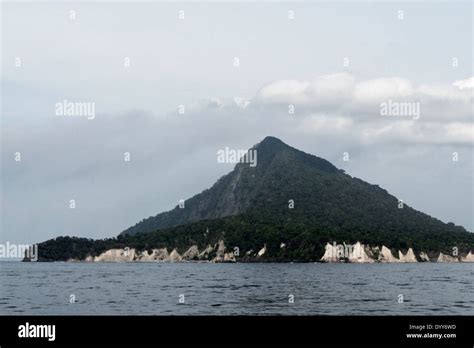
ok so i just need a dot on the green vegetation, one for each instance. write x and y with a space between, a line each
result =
302 243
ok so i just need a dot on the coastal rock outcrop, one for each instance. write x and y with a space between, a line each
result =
175 256
116 255
446 258
221 255
408 257
356 253
128 255
220 252
468 258
204 255
359 254
229 257
331 254
387 256
424 257
155 255
192 253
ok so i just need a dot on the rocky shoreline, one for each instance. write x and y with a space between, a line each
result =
359 253
334 253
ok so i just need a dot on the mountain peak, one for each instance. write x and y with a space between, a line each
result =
271 140
327 198
271 144
271 147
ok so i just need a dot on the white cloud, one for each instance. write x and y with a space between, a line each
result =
333 88
378 90
460 132
465 84
339 105
285 91
323 90
342 91
413 132
241 102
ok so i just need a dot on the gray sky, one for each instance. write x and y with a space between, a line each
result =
190 62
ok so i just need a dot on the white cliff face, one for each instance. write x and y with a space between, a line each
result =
446 258
221 255
220 252
192 253
424 257
128 255
161 254
386 255
468 258
356 253
204 255
331 254
116 255
359 255
229 257
156 255
175 256
221 247
409 257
